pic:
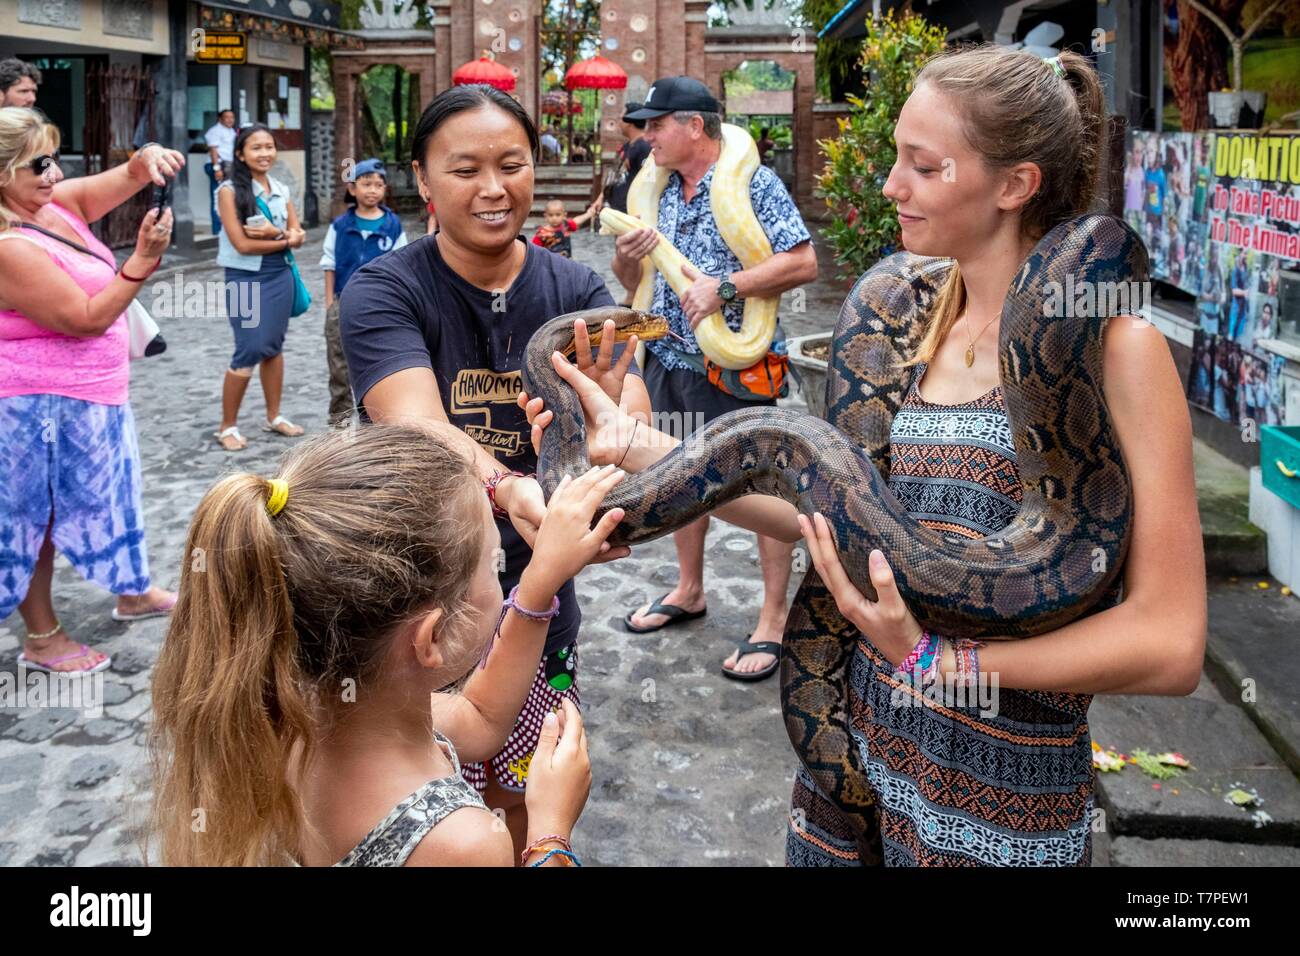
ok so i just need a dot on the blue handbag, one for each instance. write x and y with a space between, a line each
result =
301 297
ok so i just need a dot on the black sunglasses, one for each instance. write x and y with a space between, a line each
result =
41 164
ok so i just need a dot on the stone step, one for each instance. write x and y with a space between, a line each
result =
564 186
1135 851
1232 544
1226 751
548 172
1250 654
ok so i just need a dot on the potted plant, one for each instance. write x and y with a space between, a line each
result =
1236 108
810 358
864 223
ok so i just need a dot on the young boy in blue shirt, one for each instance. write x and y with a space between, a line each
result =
364 232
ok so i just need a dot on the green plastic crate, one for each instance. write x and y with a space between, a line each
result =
1279 460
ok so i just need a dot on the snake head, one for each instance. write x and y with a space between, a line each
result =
646 326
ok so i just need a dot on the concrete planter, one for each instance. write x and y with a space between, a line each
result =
811 372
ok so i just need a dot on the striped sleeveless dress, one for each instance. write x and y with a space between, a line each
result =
1002 781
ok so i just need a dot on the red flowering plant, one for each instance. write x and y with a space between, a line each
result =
864 227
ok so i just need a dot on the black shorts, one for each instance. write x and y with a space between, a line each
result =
683 400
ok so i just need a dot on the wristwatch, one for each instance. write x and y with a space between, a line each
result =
727 290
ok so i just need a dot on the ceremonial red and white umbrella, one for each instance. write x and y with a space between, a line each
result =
596 73
484 70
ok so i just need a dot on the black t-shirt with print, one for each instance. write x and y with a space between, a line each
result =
409 309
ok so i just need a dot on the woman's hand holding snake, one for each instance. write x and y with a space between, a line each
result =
610 428
886 622
603 370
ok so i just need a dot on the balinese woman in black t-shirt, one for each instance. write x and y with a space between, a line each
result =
436 331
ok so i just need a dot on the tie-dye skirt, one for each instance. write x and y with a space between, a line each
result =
79 462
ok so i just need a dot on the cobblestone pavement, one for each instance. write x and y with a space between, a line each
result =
689 768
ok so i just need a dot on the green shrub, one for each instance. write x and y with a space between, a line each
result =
864 226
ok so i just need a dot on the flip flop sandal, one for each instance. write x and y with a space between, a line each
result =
85 650
674 614
761 647
275 425
162 610
231 432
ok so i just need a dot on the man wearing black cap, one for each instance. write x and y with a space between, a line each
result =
684 129
630 155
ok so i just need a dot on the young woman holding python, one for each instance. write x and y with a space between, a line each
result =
1038 522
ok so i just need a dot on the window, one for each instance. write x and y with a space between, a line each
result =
281 96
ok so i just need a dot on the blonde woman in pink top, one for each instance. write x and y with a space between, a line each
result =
69 459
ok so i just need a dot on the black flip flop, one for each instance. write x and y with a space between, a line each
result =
760 647
675 614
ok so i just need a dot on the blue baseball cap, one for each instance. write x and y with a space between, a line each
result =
368 166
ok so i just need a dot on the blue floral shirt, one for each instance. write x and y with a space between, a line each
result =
690 227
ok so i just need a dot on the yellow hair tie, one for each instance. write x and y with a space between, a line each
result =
279 496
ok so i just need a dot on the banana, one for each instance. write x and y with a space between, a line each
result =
740 230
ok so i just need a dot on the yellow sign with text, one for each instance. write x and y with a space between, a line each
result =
213 47
1275 158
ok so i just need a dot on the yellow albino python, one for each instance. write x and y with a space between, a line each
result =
740 230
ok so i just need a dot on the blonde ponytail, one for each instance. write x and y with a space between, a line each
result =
230 700
277 610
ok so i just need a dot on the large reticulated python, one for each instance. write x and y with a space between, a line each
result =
1054 561
740 229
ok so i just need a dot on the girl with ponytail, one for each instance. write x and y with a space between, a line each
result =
303 704
995 147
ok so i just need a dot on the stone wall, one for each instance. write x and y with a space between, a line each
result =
323 167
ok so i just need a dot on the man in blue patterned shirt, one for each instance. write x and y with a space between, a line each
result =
683 128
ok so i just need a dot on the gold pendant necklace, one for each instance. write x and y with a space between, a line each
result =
970 349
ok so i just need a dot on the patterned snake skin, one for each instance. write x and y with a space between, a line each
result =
1058 556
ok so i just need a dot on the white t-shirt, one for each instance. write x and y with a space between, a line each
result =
223 138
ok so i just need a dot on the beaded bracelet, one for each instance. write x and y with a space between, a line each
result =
932 650
966 652
909 662
551 853
490 486
536 845
931 669
510 603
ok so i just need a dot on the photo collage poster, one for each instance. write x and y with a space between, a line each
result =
1220 216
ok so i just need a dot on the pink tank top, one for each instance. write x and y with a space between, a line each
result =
35 360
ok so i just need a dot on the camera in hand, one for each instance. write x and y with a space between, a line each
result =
160 197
